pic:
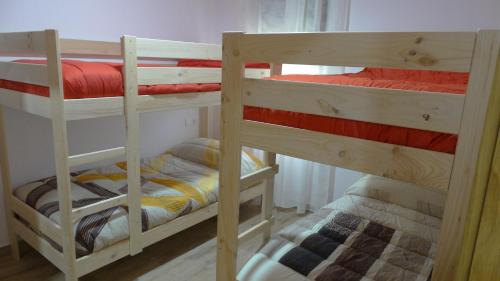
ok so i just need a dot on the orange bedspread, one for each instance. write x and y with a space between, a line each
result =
447 82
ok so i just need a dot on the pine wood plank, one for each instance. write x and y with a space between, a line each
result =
449 51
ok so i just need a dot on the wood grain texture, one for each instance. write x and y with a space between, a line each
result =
230 150
37 221
450 252
451 51
90 48
422 167
60 138
24 72
175 49
131 88
96 156
411 109
178 75
7 189
97 207
22 43
487 248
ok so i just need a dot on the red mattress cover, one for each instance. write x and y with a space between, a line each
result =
103 79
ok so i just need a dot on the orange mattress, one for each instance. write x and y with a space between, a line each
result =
446 82
102 79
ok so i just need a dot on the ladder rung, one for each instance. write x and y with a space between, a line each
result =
95 156
90 209
256 229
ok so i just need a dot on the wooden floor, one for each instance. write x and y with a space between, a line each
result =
189 255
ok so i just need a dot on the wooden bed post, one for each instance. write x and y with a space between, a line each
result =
61 151
204 121
229 189
7 189
129 51
459 227
268 196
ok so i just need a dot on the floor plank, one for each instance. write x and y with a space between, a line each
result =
189 255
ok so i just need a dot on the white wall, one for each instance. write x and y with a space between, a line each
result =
29 137
424 15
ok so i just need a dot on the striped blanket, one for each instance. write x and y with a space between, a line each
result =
354 238
174 183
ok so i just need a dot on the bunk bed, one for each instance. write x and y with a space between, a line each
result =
437 89
84 220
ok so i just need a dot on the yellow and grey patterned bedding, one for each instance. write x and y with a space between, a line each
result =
355 238
181 180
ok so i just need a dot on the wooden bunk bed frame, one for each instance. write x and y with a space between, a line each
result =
474 117
59 110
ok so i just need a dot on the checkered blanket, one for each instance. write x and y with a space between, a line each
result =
353 238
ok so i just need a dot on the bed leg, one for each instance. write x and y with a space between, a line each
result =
61 152
268 196
7 190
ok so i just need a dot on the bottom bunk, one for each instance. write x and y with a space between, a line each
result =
380 229
173 184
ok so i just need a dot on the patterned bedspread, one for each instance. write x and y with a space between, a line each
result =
353 238
174 183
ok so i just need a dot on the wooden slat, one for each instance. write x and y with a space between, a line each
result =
412 109
177 101
24 72
453 256
257 72
90 48
487 247
36 220
22 43
179 224
133 152
40 244
178 75
96 260
176 49
422 167
258 176
81 212
7 189
96 156
450 51
255 230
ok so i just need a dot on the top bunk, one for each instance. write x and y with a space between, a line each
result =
92 74
400 117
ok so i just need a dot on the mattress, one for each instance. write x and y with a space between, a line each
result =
85 79
357 237
173 184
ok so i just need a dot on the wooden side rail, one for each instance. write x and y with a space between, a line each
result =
155 48
448 51
422 167
439 112
25 73
23 44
